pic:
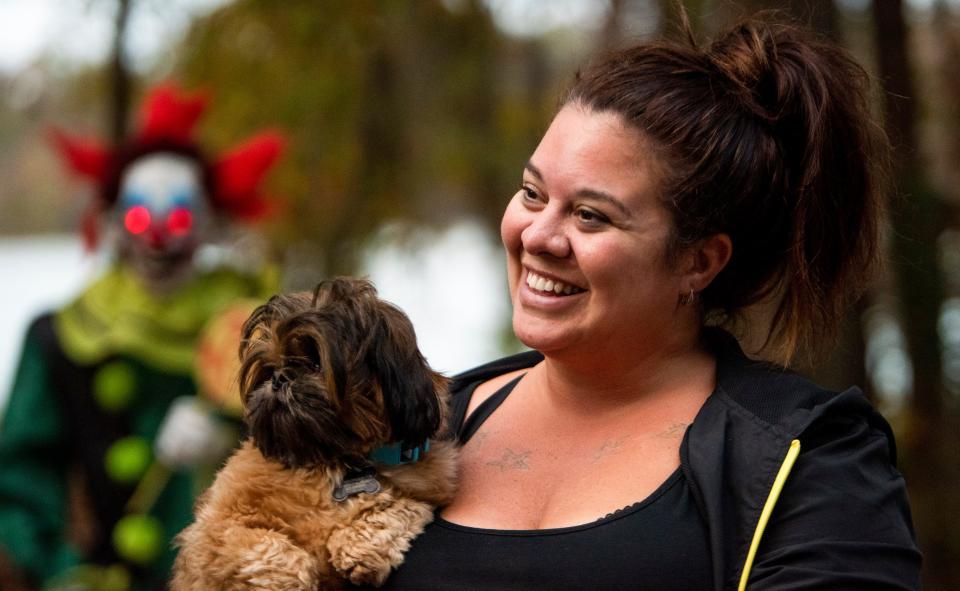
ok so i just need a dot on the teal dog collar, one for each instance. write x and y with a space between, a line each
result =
400 453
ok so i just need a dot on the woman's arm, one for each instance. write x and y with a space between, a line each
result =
843 521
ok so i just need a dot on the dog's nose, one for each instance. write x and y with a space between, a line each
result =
278 380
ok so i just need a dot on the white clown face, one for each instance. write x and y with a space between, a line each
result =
163 213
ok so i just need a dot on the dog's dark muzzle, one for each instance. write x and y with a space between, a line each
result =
279 379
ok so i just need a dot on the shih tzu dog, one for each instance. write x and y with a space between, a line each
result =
342 468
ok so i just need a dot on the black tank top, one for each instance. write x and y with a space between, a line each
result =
659 543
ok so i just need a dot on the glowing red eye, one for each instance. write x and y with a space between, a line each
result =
137 219
179 222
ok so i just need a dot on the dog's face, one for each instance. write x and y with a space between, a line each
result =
329 376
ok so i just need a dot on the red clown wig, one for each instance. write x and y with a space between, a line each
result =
168 118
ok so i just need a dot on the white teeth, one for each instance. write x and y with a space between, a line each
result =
549 285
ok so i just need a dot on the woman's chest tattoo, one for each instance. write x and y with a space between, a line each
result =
510 460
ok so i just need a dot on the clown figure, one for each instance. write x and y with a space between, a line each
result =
105 444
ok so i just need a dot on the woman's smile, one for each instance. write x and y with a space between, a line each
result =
546 294
544 284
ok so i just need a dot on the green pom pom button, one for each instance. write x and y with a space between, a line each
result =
127 459
114 386
139 539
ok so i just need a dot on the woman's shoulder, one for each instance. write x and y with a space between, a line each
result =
470 388
482 373
785 400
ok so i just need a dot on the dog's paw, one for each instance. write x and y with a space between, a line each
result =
374 543
364 576
276 564
356 560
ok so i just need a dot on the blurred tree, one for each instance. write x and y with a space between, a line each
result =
819 15
931 443
614 28
946 37
119 74
394 110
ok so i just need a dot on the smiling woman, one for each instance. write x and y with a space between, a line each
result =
588 215
637 447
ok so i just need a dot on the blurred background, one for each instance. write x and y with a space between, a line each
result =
408 123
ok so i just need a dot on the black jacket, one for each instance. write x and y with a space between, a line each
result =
797 484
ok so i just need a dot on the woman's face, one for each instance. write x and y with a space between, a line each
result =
585 238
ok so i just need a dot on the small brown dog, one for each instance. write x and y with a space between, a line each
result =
339 404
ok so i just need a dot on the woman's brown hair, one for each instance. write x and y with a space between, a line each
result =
765 135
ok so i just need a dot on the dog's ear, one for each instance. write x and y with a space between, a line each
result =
255 350
409 386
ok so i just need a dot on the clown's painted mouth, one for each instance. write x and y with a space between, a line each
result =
159 257
167 257
547 286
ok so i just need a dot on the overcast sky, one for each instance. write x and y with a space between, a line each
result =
79 30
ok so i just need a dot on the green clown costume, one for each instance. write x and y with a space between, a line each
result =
97 378
94 382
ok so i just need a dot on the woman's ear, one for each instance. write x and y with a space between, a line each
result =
705 260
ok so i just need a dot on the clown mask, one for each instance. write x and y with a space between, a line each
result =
163 216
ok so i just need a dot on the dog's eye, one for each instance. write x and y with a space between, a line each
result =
304 362
313 358
313 365
305 349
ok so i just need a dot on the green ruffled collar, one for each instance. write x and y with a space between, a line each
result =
117 315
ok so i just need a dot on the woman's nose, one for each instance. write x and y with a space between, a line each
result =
546 234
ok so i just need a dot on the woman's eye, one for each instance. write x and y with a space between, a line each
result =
590 217
529 194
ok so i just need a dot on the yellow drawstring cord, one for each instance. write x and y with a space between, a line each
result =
778 483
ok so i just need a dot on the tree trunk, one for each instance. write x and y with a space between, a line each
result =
930 443
946 29
819 15
612 33
119 77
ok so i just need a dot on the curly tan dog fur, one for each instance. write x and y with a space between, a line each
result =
326 379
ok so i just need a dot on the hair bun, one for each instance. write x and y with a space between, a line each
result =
763 64
764 135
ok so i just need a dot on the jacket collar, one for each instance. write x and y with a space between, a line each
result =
734 448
